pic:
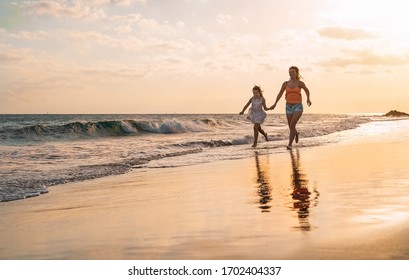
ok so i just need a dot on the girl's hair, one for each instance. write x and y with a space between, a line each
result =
299 77
259 90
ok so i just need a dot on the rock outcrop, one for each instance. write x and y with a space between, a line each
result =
394 113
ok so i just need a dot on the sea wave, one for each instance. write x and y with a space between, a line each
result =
29 169
216 143
108 128
137 162
28 186
280 132
329 126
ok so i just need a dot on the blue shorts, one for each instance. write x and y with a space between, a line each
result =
291 109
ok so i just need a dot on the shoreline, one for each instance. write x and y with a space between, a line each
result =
325 202
76 159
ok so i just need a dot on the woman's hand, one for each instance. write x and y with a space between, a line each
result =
272 107
241 113
309 103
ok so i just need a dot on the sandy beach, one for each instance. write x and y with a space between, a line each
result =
346 200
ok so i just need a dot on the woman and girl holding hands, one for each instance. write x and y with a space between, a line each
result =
293 107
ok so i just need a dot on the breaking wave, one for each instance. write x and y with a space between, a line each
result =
77 130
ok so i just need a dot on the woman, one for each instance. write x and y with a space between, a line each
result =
293 107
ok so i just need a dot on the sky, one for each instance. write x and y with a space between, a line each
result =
200 56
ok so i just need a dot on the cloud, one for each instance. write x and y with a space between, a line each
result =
370 58
180 24
87 36
245 20
129 18
6 91
9 54
60 9
365 58
8 95
114 2
225 20
127 2
146 26
71 9
150 45
27 35
345 33
42 75
110 73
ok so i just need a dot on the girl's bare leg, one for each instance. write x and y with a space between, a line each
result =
255 128
262 132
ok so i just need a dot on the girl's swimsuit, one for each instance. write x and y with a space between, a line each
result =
257 114
293 98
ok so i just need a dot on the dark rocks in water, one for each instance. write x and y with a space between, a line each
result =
394 113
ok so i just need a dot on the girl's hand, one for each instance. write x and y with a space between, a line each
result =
272 107
309 103
241 113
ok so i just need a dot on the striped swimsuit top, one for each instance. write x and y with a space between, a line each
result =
292 95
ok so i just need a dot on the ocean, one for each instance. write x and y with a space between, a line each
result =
39 151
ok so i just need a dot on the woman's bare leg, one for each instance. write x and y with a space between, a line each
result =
292 122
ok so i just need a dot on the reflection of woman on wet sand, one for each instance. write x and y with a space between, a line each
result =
264 188
301 194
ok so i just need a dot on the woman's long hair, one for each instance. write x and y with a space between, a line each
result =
299 77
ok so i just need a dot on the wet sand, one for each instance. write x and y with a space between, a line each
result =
347 200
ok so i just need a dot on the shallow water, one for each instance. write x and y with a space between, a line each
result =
38 151
345 200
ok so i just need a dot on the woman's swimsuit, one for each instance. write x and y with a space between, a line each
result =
292 95
293 98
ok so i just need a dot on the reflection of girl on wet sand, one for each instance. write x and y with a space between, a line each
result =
264 188
301 194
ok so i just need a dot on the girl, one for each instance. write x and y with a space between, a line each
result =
256 114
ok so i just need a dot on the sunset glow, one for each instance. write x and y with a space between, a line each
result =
204 56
